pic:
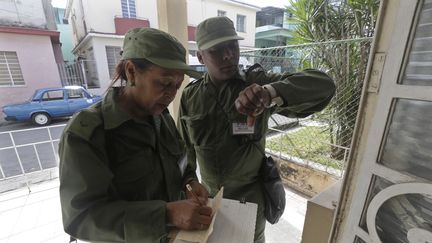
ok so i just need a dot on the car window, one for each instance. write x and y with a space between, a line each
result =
76 93
53 95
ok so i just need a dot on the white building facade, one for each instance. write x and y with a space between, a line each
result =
99 27
243 15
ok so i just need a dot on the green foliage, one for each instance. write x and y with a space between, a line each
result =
310 143
325 21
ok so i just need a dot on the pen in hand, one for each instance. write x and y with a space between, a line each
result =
189 188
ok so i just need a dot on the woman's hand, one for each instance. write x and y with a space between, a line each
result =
189 215
199 190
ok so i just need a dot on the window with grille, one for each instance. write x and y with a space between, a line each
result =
221 13
128 8
10 70
113 57
241 23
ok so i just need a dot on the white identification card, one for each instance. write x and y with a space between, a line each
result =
242 128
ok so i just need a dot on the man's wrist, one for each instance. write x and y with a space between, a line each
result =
275 99
270 90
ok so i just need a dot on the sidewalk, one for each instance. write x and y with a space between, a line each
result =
32 217
36 217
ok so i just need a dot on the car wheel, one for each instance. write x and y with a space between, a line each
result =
41 119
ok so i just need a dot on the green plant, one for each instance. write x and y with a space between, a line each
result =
309 143
328 20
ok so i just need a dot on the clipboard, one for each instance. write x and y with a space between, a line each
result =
233 222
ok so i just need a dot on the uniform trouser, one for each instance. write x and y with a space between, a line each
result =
260 226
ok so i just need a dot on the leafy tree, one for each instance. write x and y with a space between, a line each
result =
337 22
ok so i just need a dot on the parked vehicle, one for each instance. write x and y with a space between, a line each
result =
48 103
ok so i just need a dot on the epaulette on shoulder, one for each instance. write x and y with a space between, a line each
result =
85 122
193 82
254 68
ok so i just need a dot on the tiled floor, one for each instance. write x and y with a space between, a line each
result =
32 217
35 217
290 227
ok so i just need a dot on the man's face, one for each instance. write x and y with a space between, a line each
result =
221 60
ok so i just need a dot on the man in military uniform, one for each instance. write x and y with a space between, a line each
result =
224 115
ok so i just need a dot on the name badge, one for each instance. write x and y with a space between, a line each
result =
242 128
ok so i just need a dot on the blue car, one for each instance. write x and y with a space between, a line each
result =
49 103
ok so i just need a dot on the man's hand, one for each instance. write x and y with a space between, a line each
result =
188 215
199 190
252 102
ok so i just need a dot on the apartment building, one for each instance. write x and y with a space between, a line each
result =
29 49
243 15
272 27
99 26
65 30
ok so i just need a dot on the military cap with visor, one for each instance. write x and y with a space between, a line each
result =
157 47
216 30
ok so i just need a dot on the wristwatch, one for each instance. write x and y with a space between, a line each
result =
275 98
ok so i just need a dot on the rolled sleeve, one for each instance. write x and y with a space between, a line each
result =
303 93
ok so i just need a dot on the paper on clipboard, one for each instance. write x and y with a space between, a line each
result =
234 222
201 236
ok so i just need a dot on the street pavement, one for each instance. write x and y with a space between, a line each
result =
12 126
36 216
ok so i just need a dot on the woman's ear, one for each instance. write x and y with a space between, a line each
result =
130 73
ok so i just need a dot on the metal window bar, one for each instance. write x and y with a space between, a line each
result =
73 73
37 151
11 74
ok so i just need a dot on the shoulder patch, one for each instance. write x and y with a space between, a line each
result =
85 122
195 82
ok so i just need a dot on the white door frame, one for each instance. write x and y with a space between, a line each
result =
391 40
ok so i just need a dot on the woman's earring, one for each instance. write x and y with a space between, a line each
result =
131 83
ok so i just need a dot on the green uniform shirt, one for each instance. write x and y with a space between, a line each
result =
116 174
233 161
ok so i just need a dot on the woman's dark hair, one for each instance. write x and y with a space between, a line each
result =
120 71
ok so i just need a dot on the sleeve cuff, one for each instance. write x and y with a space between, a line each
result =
188 180
271 90
275 98
145 222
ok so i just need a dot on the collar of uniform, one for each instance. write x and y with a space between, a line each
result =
113 114
239 76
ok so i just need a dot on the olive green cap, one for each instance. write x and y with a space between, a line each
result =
213 31
158 47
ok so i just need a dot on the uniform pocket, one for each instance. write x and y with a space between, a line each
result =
137 166
198 128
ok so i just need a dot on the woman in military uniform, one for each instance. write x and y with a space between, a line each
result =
122 162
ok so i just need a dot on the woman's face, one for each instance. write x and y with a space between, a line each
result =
154 88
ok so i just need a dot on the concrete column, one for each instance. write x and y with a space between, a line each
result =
172 18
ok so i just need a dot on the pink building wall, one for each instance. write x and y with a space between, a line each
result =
37 60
